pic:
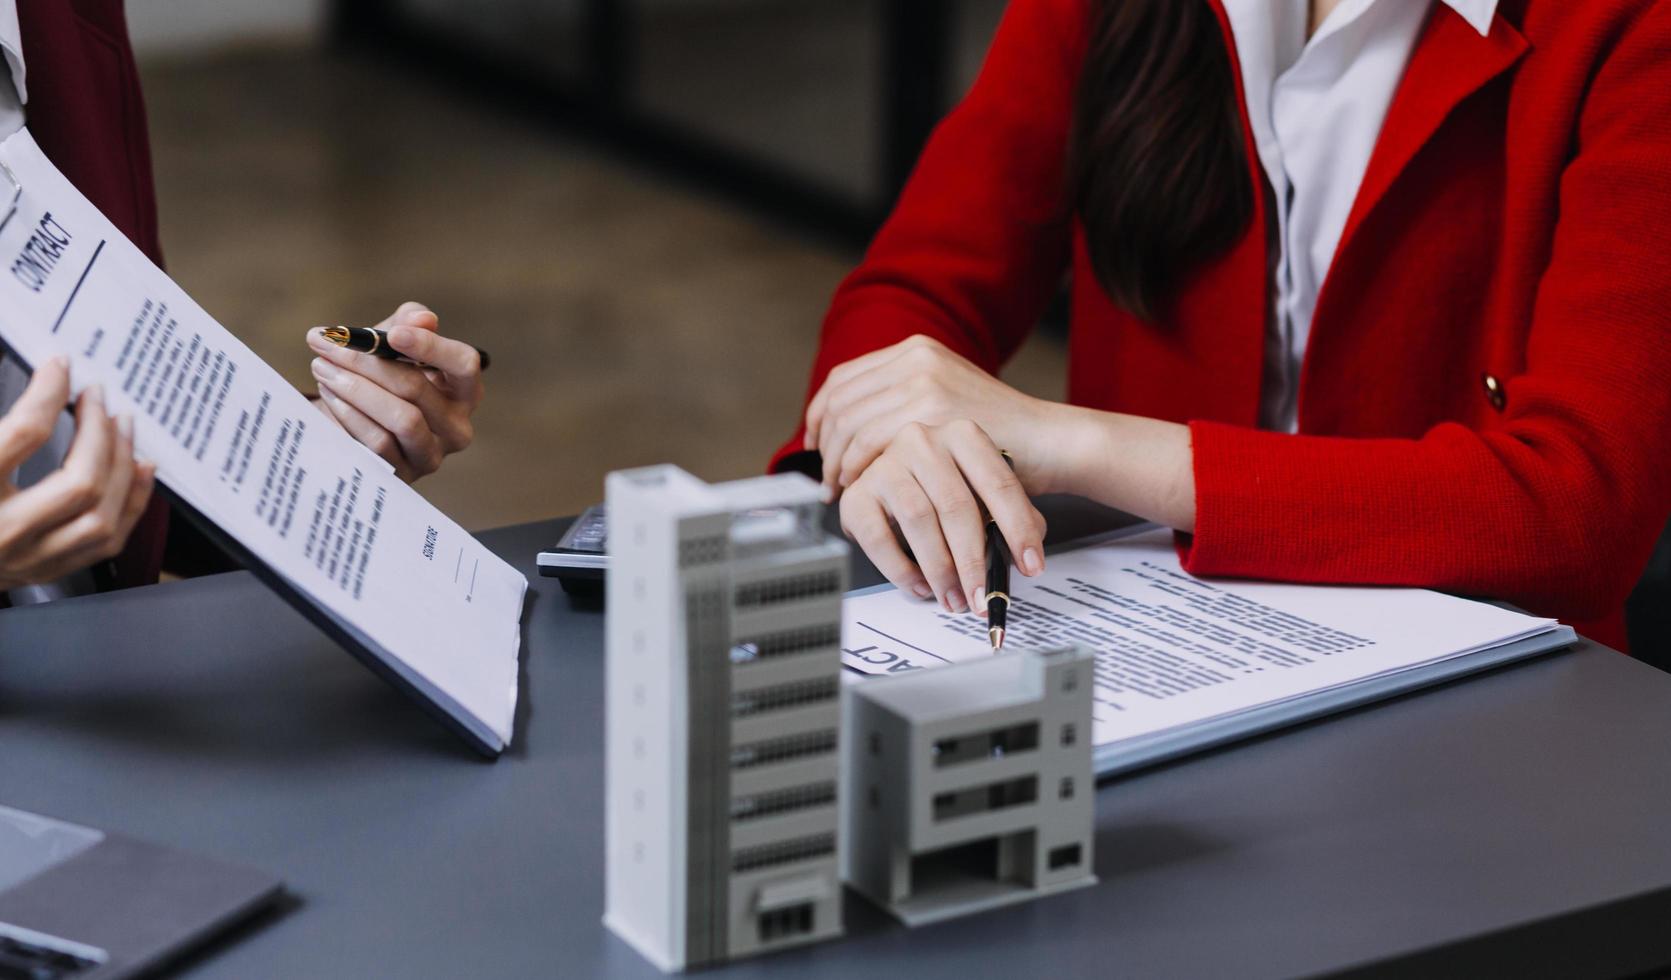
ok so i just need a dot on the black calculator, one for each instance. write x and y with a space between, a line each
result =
581 556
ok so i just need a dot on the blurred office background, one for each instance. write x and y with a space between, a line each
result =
641 207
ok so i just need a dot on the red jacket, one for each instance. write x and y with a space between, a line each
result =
86 113
1514 222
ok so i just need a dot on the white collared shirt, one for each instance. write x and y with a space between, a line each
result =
1316 108
14 94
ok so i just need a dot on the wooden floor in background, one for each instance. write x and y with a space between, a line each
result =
631 321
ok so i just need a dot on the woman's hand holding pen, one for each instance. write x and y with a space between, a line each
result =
913 432
413 415
867 401
932 480
931 483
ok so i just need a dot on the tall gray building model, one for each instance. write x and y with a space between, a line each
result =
723 715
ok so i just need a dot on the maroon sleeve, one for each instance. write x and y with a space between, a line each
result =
87 114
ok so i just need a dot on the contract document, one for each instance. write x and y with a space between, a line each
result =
1184 663
317 516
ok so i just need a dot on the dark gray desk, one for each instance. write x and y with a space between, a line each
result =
1520 820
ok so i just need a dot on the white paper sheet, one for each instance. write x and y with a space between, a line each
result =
249 452
1173 649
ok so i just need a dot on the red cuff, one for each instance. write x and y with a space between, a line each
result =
1458 511
1234 498
1376 512
793 459
1325 509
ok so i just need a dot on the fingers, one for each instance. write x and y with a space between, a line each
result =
63 524
460 363
958 513
366 430
445 391
325 410
842 397
875 421
406 380
911 509
393 427
818 409
28 425
937 485
78 485
864 520
864 402
139 495
411 311
96 533
1001 491
413 331
448 419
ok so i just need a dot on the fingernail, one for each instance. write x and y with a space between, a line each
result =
979 601
324 370
1031 560
316 339
957 602
95 394
827 494
59 361
124 425
922 591
400 336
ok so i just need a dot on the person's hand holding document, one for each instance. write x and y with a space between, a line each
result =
320 517
82 512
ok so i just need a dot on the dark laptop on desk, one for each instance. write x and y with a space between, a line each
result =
79 904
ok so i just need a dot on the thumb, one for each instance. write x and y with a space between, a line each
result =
28 426
413 314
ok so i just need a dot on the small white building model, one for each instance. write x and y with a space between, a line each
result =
970 786
723 715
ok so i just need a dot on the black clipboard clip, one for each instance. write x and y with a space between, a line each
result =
17 194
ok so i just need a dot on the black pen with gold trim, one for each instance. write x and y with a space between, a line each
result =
997 578
997 584
375 341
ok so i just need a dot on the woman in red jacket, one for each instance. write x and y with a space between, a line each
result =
1374 291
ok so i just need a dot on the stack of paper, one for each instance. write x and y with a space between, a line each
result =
1184 663
318 516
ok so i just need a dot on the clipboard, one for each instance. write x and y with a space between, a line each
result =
17 194
1133 753
435 702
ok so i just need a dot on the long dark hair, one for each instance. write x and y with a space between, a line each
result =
1157 169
